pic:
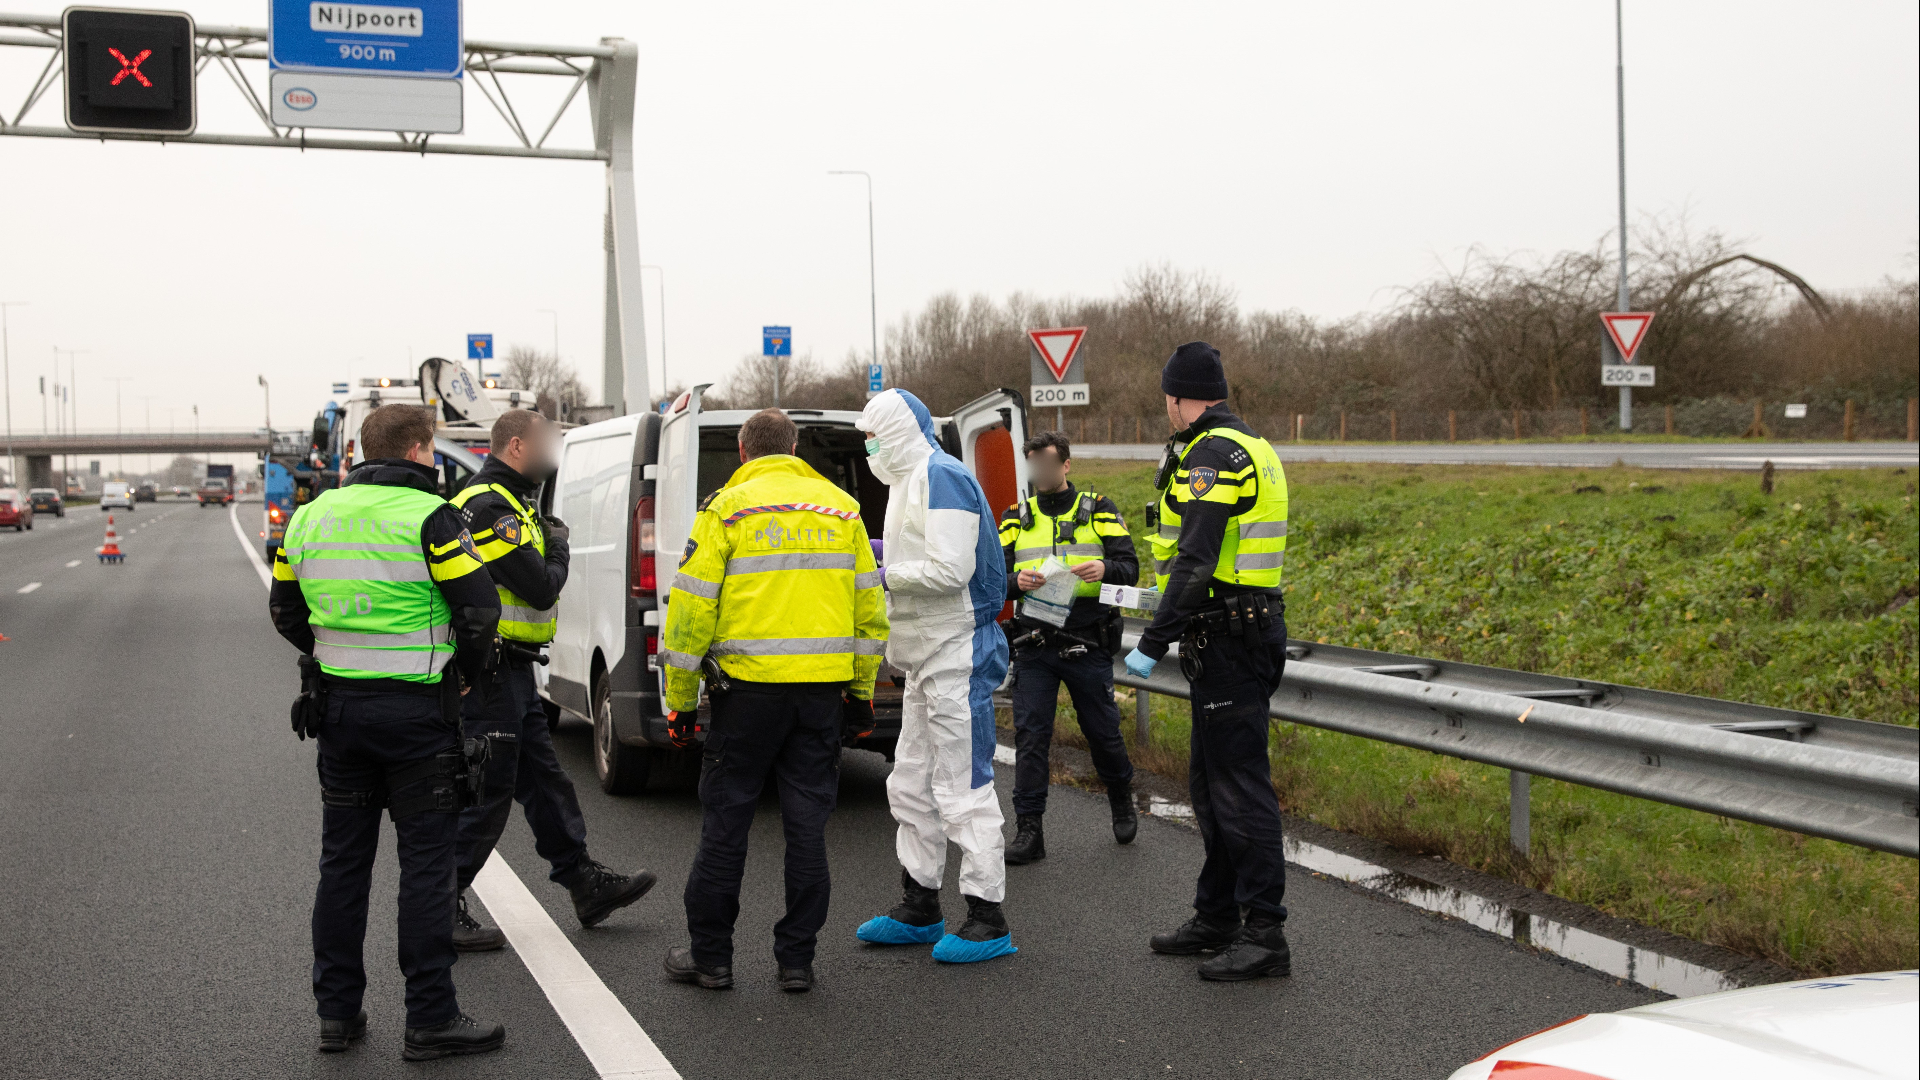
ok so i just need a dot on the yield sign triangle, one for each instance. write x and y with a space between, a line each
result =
1627 329
1057 347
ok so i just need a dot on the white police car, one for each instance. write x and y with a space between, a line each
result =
1856 1026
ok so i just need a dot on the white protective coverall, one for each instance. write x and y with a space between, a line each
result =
946 580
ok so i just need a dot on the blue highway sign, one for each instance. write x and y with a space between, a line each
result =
776 341
479 346
876 380
421 39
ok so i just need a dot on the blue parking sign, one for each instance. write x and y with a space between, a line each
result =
418 38
479 346
776 341
875 379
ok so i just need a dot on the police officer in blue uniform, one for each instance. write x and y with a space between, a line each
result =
1220 527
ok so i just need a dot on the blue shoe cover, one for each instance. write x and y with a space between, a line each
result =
881 930
954 949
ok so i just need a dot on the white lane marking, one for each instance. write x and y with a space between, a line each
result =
612 1039
259 565
72 564
27 588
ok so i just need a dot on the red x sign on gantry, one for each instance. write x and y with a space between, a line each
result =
130 67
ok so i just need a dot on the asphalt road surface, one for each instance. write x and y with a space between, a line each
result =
159 831
1726 455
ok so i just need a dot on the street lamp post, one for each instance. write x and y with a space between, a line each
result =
1620 117
146 400
556 332
267 392
120 459
6 373
663 321
873 293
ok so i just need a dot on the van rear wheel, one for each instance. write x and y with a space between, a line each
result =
622 769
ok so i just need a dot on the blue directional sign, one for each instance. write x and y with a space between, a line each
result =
339 388
421 39
876 381
776 341
479 346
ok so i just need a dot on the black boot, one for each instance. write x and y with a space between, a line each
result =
599 892
681 967
1029 842
1260 950
985 920
337 1035
919 905
469 935
460 1035
1126 820
984 936
1196 935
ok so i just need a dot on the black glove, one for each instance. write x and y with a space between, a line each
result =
856 720
556 530
684 728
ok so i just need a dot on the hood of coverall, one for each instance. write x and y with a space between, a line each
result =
904 427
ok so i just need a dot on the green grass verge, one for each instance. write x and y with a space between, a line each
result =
1692 582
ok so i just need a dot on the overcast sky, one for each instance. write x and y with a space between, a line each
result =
1311 156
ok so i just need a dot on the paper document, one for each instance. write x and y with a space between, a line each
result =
1052 602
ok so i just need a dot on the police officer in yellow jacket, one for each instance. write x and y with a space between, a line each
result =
1220 532
1082 529
527 556
379 586
779 601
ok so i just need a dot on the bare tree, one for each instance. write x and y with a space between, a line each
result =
556 386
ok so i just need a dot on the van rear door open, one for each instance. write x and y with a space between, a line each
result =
990 430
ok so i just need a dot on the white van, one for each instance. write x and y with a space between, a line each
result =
116 493
628 488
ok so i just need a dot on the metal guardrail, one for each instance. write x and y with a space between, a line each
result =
1854 781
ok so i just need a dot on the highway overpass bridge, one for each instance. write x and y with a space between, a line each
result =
36 452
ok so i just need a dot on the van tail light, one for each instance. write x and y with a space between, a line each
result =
653 652
640 550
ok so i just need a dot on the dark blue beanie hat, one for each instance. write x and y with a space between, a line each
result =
1194 371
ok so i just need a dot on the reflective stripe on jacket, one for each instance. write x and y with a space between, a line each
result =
1255 545
519 620
778 584
1073 537
368 582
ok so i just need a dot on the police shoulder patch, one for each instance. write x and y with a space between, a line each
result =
692 546
466 545
1201 480
507 528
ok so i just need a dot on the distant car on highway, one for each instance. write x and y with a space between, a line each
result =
146 491
182 491
116 493
1818 1029
217 488
47 501
15 512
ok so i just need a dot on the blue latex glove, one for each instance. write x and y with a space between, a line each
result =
1139 664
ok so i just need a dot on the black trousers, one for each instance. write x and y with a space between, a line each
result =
790 732
365 738
1231 783
522 767
1037 675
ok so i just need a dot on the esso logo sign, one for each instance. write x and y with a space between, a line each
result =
300 99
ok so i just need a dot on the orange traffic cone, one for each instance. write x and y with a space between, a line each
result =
110 552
